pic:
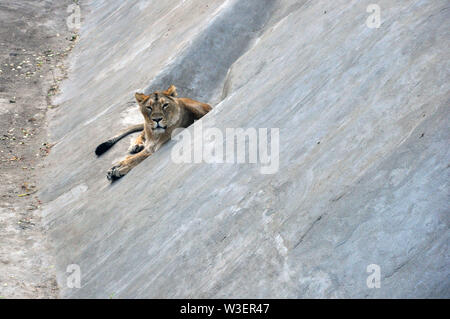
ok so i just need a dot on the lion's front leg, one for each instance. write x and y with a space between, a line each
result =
138 144
122 168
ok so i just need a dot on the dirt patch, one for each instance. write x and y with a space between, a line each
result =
34 42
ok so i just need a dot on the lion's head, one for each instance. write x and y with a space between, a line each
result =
160 109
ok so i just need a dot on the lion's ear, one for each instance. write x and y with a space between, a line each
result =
141 98
171 91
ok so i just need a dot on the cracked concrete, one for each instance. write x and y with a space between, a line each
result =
363 116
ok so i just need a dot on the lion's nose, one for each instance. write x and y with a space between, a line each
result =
157 119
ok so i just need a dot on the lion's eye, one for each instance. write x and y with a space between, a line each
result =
165 105
149 108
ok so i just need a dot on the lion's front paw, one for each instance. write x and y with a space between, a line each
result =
117 172
113 174
136 148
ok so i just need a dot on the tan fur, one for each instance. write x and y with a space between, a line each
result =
163 112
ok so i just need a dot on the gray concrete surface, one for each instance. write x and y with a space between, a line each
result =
364 163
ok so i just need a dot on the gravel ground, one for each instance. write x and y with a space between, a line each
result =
34 41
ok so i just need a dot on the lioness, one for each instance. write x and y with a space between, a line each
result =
163 112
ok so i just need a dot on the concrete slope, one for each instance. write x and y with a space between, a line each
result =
363 117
